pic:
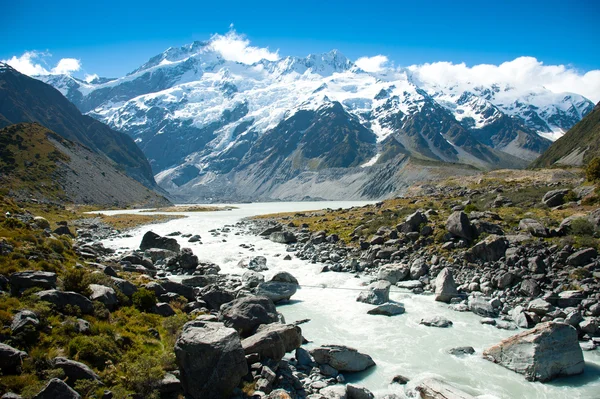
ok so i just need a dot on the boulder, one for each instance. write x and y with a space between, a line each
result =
534 227
252 279
257 263
433 388
481 306
153 240
284 277
412 222
436 321
126 287
57 389
41 222
211 360
215 296
104 294
388 309
459 225
283 237
555 197
163 309
418 269
272 341
378 293
393 273
62 299
568 299
63 231
547 351
357 392
180 289
74 371
276 291
21 281
445 287
187 260
23 322
490 249
342 358
540 307
461 350
10 359
530 287
582 257
245 314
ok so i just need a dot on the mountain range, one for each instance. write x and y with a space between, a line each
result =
319 126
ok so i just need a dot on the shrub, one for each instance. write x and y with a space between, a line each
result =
77 280
571 197
143 374
471 208
592 171
96 350
144 299
582 227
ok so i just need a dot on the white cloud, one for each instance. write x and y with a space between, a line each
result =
525 73
372 64
34 63
235 47
90 78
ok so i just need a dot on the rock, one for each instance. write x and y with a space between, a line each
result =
158 254
153 240
356 392
279 394
252 279
534 227
433 388
187 260
180 289
10 359
461 351
272 341
410 284
41 222
589 326
24 321
57 389
490 249
211 360
74 371
284 277
62 299
547 351
334 392
11 395
459 225
269 230
392 273
63 231
388 309
540 307
126 287
104 294
195 238
555 197
283 237
163 309
568 299
258 264
412 222
436 321
198 280
583 257
169 385
418 269
523 320
342 358
482 307
400 379
21 281
530 288
378 293
276 291
303 357
247 313
445 287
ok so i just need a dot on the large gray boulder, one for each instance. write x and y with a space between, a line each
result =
412 222
21 281
459 225
582 257
358 392
342 358
245 314
24 321
436 321
10 359
388 309
547 351
211 360
180 289
283 237
62 299
104 294
490 249
74 371
393 273
445 287
433 388
378 293
277 291
153 240
273 341
126 287
57 389
481 306
555 197
534 227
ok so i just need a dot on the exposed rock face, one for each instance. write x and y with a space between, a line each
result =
29 279
211 360
378 293
74 371
534 227
273 341
57 389
62 299
342 358
445 287
432 388
153 240
459 225
393 273
104 294
547 351
10 359
555 197
246 313
491 249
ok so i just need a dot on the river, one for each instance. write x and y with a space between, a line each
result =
399 344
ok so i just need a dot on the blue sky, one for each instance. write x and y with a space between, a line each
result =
111 38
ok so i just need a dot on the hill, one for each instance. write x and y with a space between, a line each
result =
577 147
35 162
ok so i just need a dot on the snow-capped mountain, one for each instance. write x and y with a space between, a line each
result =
206 122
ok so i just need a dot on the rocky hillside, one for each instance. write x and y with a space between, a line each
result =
23 99
40 165
207 124
577 147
